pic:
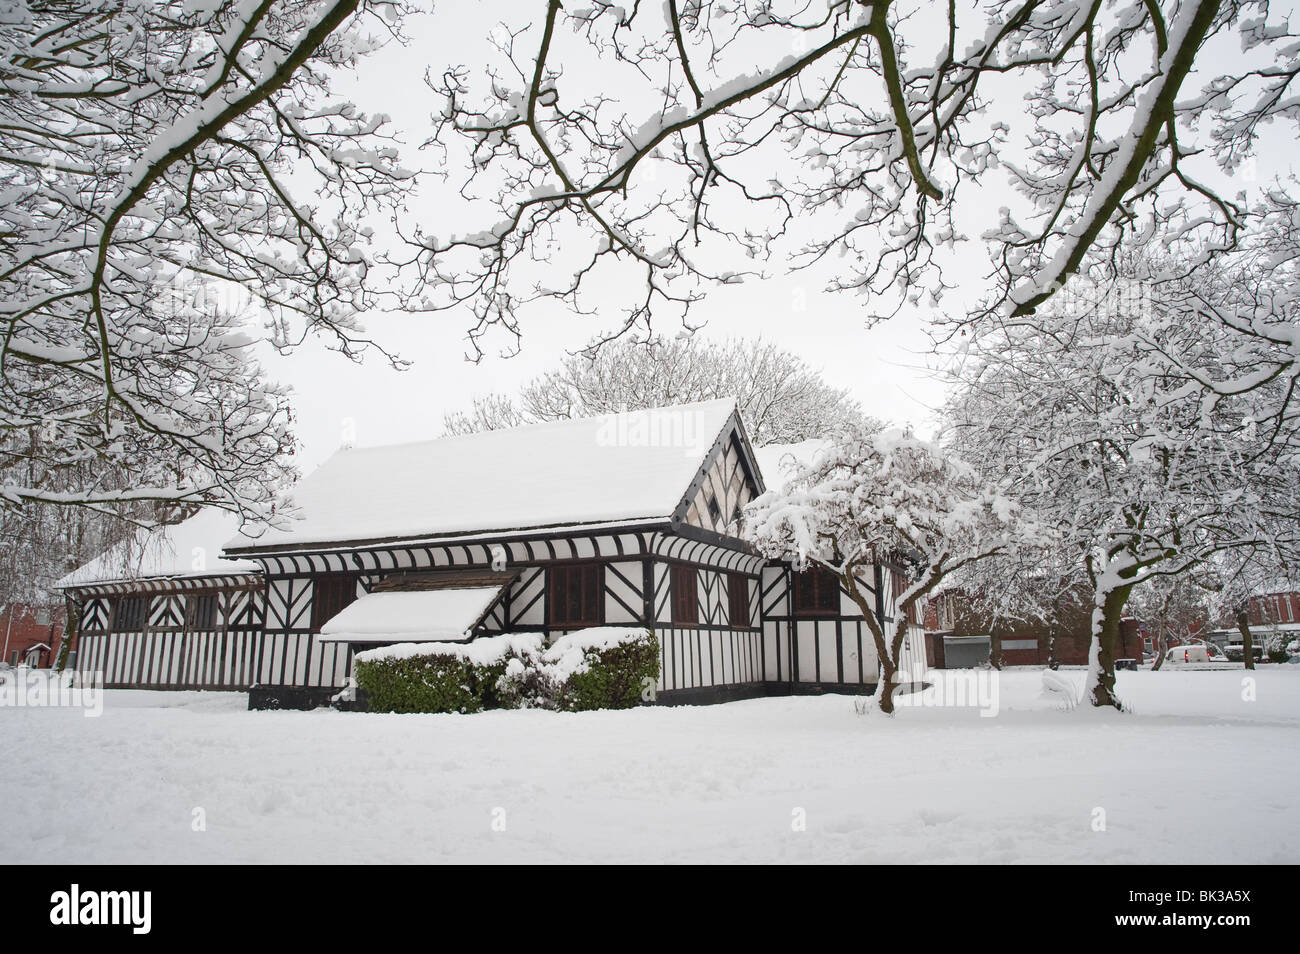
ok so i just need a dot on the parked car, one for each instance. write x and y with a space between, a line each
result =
1236 652
1192 653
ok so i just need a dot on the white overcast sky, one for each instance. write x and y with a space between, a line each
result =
885 366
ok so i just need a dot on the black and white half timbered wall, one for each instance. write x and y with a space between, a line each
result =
557 585
184 633
729 625
814 636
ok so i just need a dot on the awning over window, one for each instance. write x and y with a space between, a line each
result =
412 616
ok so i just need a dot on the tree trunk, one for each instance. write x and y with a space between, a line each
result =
71 626
1105 636
995 648
887 685
1053 660
1159 643
1247 643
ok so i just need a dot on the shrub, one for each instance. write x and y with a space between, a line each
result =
439 677
1276 649
606 667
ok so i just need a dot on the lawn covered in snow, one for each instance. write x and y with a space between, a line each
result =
1194 774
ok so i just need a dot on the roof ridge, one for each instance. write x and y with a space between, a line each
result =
537 425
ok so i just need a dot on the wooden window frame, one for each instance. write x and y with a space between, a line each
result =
685 600
738 614
591 595
194 604
143 602
340 599
815 593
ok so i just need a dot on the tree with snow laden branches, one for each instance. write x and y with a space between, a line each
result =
873 496
1148 442
781 399
145 155
725 134
145 147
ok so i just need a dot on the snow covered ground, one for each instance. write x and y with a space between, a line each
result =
1195 774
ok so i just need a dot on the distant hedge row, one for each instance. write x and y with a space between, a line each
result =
600 668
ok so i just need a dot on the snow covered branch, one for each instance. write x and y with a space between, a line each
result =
733 135
152 158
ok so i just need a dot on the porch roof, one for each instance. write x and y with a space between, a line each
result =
412 616
188 550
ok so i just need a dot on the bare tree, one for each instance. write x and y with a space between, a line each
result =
145 152
781 398
724 135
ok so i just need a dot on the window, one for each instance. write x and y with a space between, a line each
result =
686 600
738 599
203 611
816 593
575 594
129 614
330 594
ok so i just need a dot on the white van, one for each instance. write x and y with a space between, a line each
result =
1193 653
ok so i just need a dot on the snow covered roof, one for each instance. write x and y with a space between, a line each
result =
411 616
187 549
617 468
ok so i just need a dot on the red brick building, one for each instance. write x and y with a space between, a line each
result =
949 621
1275 609
1275 614
31 635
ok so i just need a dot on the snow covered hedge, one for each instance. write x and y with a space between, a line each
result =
439 677
607 667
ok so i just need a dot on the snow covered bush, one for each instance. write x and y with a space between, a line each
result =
606 667
440 677
1276 649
